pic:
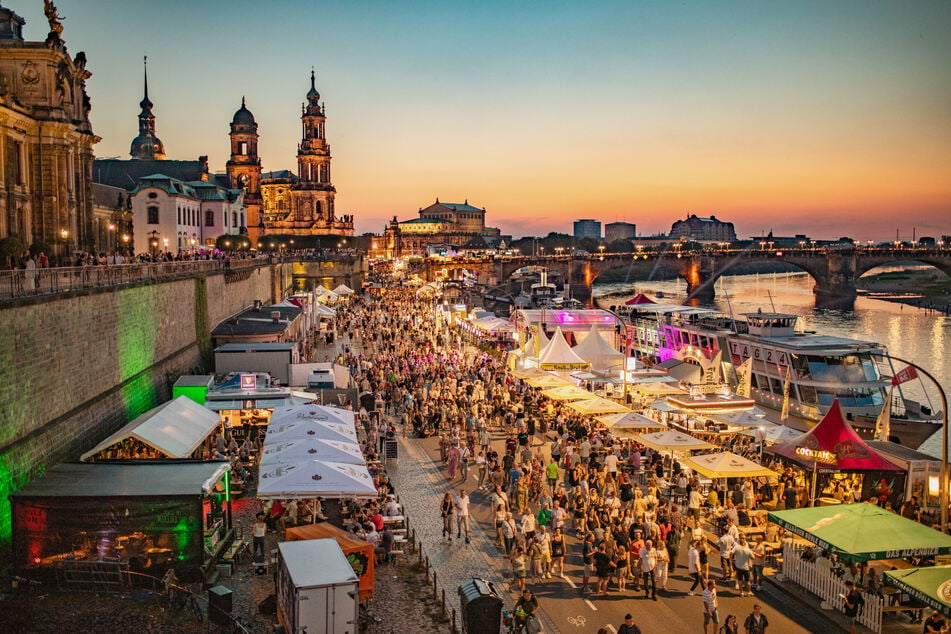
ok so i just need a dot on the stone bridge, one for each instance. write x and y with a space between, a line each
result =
834 270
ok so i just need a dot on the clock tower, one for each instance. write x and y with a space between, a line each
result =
244 169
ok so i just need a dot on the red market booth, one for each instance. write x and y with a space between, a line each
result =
98 518
358 552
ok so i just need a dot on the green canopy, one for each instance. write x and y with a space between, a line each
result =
863 531
931 586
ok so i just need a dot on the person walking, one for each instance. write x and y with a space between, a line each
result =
558 548
756 622
519 566
447 508
462 514
663 564
710 605
742 560
259 530
693 568
648 557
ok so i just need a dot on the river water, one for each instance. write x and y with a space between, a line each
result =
911 333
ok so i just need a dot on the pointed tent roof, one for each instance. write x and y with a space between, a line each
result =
834 434
775 433
312 411
629 420
640 298
598 352
343 289
558 354
542 339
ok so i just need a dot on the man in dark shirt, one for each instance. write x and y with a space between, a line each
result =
934 624
602 567
628 627
853 604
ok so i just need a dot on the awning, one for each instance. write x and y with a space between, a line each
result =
726 465
315 479
598 406
931 586
672 441
175 429
773 433
863 531
255 403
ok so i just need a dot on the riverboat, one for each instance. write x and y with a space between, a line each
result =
814 369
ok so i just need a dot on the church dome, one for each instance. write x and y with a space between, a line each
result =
243 116
147 146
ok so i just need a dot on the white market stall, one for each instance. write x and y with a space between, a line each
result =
312 449
175 429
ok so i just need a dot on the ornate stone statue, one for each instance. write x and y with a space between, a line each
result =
53 16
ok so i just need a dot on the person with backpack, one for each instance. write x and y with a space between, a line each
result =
853 604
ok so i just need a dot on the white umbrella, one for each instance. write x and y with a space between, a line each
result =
311 411
309 429
312 449
315 479
773 433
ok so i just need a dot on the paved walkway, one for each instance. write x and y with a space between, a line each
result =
421 485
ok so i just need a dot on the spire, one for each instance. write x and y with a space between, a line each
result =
242 101
313 97
145 104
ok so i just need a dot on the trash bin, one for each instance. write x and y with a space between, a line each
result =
219 605
481 607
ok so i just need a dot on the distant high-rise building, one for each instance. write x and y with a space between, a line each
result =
619 231
588 228
703 229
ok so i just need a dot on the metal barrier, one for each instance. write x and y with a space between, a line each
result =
823 583
92 576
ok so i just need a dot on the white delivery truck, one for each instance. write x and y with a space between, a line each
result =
317 590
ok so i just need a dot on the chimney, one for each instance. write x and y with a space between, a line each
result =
276 316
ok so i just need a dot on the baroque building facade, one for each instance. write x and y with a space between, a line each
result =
438 224
46 140
304 204
703 229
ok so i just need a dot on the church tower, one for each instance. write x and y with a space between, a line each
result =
244 168
313 194
147 145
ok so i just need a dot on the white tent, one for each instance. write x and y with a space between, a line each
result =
749 418
599 353
326 295
322 289
629 420
315 479
304 429
175 428
343 289
598 406
312 449
530 346
559 355
314 412
324 310
672 441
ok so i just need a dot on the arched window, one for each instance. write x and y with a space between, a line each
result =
209 218
234 219
153 215
241 218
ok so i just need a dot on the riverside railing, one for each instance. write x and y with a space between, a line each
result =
20 283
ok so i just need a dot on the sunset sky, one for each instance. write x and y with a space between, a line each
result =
825 118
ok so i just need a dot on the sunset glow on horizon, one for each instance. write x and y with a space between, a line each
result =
830 119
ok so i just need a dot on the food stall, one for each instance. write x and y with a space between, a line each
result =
144 516
358 552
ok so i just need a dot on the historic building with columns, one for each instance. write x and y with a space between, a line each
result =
46 140
439 224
